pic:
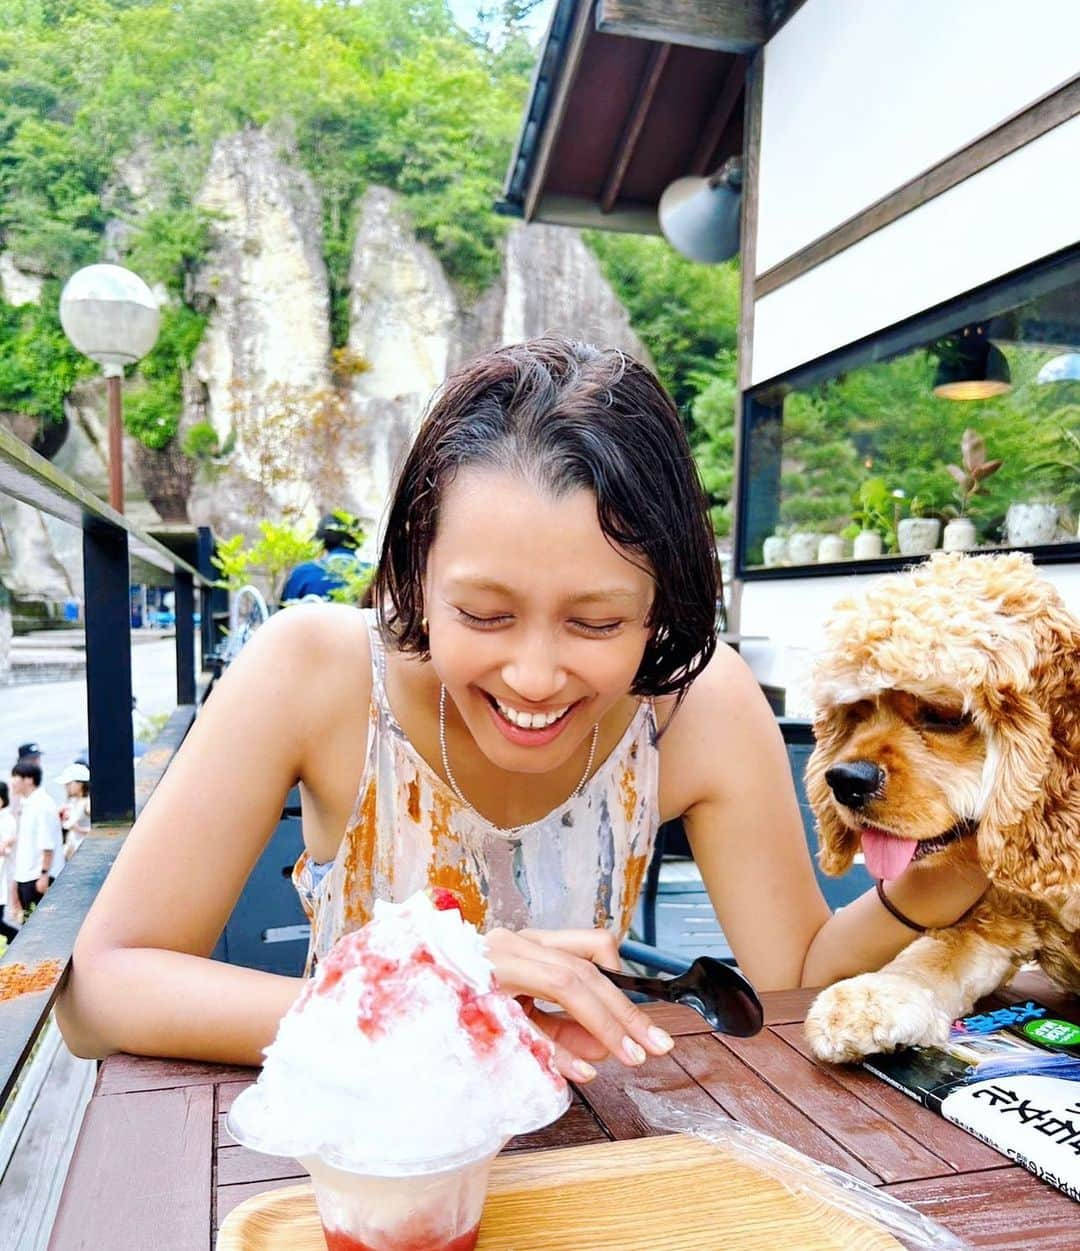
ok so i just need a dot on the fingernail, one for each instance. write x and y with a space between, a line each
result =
660 1039
582 1071
633 1051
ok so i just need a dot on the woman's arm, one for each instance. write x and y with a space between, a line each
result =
140 980
727 754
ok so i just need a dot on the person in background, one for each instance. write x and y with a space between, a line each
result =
7 860
317 578
31 754
75 811
39 844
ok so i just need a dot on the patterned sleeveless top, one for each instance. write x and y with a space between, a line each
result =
580 867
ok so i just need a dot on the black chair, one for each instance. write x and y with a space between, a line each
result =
268 929
676 920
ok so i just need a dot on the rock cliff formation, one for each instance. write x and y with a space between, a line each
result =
304 428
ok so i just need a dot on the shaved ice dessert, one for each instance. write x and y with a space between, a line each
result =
395 1079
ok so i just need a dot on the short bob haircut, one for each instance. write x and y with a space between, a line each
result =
566 416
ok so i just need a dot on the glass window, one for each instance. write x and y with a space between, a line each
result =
964 433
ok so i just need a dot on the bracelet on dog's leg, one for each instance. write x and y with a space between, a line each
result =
894 911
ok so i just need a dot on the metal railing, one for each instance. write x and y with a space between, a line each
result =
33 967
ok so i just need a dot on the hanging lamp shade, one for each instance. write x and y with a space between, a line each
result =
970 367
1063 368
699 217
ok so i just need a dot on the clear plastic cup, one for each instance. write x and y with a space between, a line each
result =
430 1211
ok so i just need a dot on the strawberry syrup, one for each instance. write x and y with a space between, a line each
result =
339 1240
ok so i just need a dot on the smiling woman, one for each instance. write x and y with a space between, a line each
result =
537 689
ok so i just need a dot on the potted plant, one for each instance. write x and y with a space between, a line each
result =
970 476
1062 472
832 547
774 549
919 532
803 547
873 522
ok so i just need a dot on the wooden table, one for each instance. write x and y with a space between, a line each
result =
155 1166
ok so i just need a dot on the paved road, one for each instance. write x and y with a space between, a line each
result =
54 713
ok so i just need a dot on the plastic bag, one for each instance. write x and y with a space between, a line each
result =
798 1173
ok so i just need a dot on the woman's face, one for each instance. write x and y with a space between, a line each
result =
537 623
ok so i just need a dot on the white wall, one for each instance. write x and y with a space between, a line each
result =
1015 211
862 95
791 614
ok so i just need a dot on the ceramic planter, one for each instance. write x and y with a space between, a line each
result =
959 535
802 547
831 548
1028 524
774 551
867 545
918 535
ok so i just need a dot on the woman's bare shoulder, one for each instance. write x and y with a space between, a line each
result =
317 657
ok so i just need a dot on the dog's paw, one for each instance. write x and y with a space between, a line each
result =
870 1013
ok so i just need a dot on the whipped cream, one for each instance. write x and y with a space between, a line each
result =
400 1055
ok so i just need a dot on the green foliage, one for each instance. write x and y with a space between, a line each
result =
687 316
277 549
874 507
152 410
38 366
201 442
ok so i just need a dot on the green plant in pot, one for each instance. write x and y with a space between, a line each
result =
1060 473
918 533
873 520
970 477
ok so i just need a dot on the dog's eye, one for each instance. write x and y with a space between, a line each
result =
941 720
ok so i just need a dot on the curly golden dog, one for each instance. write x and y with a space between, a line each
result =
948 724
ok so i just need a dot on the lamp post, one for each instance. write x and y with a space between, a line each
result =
110 315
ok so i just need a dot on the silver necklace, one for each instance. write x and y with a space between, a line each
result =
457 789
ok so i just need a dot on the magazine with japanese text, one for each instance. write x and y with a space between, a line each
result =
1010 1076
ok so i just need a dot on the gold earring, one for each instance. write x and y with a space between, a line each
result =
423 624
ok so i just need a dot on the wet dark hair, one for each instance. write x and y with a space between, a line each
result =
27 769
566 416
5 795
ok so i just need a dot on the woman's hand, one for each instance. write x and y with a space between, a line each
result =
560 966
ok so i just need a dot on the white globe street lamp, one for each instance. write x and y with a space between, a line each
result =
111 315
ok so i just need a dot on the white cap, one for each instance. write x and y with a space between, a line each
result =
74 773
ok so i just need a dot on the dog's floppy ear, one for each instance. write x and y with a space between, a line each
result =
837 844
1028 833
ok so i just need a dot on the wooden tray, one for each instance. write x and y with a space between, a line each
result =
676 1192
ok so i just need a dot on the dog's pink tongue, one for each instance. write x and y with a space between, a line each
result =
886 855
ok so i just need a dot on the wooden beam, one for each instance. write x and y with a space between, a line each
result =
579 34
1059 105
720 25
704 162
624 149
745 334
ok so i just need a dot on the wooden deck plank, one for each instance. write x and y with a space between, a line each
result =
961 1151
869 1133
608 1094
123 1074
1007 1209
752 1101
141 1173
35 1173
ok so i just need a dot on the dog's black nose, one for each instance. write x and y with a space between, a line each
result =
856 782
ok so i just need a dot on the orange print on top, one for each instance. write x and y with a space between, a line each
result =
412 804
464 886
359 861
632 879
628 793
